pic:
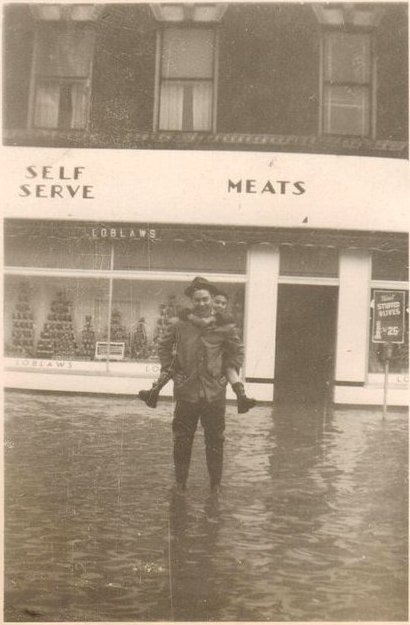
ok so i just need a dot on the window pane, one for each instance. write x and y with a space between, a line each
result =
346 110
202 106
64 51
47 105
79 102
390 266
400 360
186 106
171 107
299 261
347 58
142 310
187 53
54 318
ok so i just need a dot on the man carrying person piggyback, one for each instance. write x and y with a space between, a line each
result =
197 357
218 315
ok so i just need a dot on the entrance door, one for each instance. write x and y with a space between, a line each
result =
305 343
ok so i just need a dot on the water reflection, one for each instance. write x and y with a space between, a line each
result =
311 523
193 543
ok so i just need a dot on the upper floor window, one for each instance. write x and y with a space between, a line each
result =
347 83
187 78
61 75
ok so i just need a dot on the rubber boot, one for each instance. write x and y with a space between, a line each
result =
150 397
244 403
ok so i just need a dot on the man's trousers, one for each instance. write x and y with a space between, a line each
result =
186 416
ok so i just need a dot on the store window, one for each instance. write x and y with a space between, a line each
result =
68 319
187 78
390 266
142 310
309 261
347 83
51 318
71 294
400 358
62 70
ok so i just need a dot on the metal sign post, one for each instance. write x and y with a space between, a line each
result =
388 328
387 354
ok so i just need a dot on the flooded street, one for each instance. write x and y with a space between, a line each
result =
311 523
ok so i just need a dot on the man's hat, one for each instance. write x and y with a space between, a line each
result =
198 284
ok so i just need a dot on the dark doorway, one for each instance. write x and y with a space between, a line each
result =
305 343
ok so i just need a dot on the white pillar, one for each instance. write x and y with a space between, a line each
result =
260 320
353 316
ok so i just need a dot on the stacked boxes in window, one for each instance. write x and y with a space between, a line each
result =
118 332
57 339
23 324
88 339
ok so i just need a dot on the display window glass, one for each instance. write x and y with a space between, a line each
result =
54 318
88 319
399 362
142 310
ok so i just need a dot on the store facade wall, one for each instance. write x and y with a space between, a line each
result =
260 319
86 311
352 334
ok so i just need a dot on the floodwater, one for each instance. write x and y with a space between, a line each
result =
311 523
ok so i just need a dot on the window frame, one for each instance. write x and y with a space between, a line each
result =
37 78
371 84
159 79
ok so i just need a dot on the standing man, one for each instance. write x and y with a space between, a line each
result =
197 358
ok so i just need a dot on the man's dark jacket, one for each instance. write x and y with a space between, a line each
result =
198 357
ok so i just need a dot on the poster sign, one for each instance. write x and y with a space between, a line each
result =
117 350
388 317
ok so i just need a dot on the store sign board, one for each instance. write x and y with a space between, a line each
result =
388 317
114 352
126 367
215 188
122 232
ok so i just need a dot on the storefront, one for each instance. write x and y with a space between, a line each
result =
86 302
